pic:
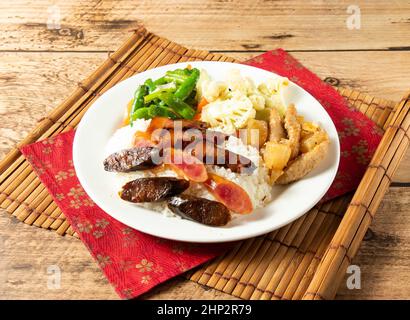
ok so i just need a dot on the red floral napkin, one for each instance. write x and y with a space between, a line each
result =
133 261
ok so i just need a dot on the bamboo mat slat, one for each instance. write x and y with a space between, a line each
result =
303 260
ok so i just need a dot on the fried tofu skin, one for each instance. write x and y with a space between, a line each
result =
293 130
276 131
303 164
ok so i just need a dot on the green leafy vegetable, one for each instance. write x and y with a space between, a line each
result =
188 85
161 111
142 113
172 96
179 106
168 87
138 102
150 84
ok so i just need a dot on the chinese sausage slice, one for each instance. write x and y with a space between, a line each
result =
127 160
152 189
209 212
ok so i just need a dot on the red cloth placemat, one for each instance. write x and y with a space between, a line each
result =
134 262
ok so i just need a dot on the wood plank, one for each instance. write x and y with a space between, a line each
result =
31 84
26 252
384 256
294 25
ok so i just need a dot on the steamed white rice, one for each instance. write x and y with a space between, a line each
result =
255 184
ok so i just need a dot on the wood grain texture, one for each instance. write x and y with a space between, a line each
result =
39 67
384 255
33 84
25 269
295 25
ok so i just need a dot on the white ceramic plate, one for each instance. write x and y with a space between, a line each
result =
289 202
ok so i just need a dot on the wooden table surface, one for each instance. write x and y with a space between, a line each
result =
39 67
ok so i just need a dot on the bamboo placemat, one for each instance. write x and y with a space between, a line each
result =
306 259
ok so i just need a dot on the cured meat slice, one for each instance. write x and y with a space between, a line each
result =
202 210
139 158
152 189
186 165
212 154
229 193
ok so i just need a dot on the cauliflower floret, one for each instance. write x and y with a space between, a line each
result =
236 100
258 101
236 82
272 91
229 115
212 90
273 85
209 89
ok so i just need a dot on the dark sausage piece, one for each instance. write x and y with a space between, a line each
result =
207 151
202 210
127 160
212 154
152 189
